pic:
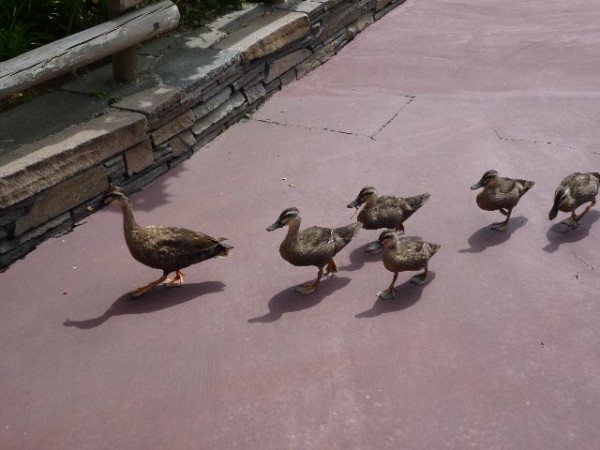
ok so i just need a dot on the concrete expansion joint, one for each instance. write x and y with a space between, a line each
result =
191 86
583 261
304 127
403 108
333 130
543 142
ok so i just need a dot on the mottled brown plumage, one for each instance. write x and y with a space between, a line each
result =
385 211
401 255
500 194
313 246
169 249
573 191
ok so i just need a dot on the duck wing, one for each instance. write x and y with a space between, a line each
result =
415 253
171 248
583 185
327 241
398 209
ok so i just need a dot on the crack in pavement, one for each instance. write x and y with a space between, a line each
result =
533 141
410 99
331 130
583 261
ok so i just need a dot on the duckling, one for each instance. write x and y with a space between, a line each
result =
401 255
167 248
313 246
500 193
385 212
572 192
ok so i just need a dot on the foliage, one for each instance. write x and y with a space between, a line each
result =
27 24
195 12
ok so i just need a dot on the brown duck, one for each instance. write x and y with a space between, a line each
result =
572 192
401 255
313 246
500 193
385 211
169 249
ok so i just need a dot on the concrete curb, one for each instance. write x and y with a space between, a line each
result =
193 86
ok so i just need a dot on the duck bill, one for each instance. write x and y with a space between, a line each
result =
274 226
226 253
355 203
477 185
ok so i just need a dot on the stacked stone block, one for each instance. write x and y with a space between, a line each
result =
48 186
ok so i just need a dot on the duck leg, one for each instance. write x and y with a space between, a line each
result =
501 226
420 279
503 211
390 292
571 222
176 281
331 268
587 210
306 289
142 290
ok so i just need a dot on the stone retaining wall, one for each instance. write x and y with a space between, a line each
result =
46 187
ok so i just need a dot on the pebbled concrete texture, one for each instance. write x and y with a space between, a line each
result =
23 126
498 350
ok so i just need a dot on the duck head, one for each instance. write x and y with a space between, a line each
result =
363 196
114 194
389 238
288 215
487 177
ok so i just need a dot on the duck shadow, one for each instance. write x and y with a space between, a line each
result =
560 233
288 301
407 294
486 237
359 256
155 300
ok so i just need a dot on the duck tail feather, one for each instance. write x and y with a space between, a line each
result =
348 232
526 185
418 200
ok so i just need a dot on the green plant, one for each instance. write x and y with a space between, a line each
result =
27 24
195 12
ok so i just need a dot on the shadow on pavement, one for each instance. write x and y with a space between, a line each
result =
359 256
156 300
288 301
149 199
486 237
559 233
407 294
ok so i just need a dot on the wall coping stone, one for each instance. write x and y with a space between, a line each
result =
266 34
192 86
47 162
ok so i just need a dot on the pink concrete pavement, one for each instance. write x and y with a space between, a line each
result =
499 350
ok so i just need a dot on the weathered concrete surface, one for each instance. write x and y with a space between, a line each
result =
498 350
266 35
188 66
63 197
49 161
22 125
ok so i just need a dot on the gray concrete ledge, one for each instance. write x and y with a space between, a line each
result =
59 153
